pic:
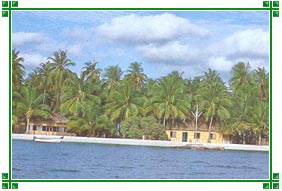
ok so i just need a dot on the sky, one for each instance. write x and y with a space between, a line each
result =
163 41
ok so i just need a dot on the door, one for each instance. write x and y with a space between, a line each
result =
184 136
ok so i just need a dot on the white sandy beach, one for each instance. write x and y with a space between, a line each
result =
153 143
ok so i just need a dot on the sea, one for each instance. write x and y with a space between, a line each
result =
36 160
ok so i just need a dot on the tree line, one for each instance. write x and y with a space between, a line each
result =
128 103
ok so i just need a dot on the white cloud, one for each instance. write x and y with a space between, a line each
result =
250 45
23 38
32 60
153 28
75 49
220 64
246 43
79 33
51 46
255 62
171 53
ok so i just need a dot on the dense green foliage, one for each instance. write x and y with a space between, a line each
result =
129 104
143 127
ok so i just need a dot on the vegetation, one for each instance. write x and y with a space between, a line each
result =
127 103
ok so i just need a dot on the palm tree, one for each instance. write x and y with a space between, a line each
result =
17 70
251 95
91 72
150 89
262 80
136 74
112 76
33 79
215 98
259 118
30 104
44 72
240 111
169 98
75 94
192 88
240 76
259 115
60 62
87 122
124 101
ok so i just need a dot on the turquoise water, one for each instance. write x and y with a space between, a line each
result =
34 160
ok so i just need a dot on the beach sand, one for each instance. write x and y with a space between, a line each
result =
152 143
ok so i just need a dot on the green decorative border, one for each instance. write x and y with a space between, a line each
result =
9 6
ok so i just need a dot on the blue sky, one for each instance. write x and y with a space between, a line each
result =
163 41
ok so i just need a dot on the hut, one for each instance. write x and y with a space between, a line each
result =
54 125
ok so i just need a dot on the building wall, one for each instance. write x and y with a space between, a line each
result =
190 136
34 132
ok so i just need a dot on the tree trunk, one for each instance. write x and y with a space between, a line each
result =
27 125
244 138
57 101
93 132
196 115
118 129
260 138
173 121
210 125
44 93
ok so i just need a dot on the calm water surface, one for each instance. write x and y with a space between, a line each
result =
34 160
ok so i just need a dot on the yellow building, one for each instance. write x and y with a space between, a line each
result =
196 136
187 133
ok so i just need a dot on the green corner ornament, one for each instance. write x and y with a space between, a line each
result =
265 185
265 3
5 185
275 175
275 185
275 3
5 4
15 4
275 13
5 13
5 175
15 186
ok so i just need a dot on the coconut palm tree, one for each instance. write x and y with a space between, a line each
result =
215 98
46 81
112 76
136 74
192 88
33 79
150 89
262 80
259 118
240 111
240 76
75 94
169 98
17 70
259 115
85 123
60 62
90 72
123 102
30 104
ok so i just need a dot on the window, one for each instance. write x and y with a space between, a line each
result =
213 136
172 134
197 135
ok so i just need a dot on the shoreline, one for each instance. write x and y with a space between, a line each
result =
151 143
